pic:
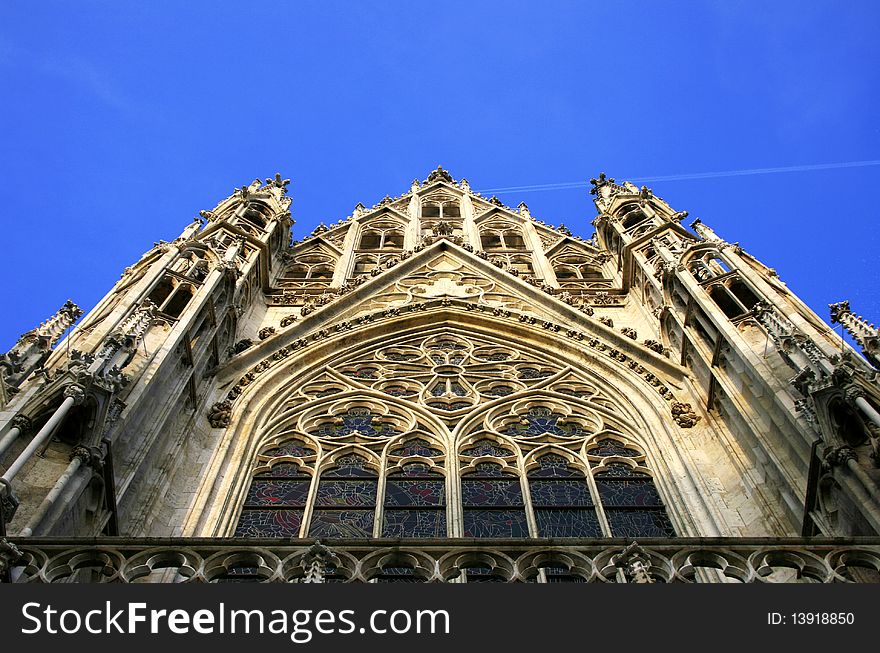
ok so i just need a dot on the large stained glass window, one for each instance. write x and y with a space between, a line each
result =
415 503
631 502
492 502
275 502
561 499
345 503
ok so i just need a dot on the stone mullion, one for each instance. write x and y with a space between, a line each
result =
531 517
308 510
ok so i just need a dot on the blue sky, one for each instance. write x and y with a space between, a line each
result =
122 120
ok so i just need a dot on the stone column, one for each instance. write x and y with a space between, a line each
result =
80 455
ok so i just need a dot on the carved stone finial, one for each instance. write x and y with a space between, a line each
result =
635 564
278 182
440 175
838 309
315 562
597 183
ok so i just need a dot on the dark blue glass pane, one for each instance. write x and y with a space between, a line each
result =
609 447
486 447
347 492
568 523
619 470
422 492
269 523
495 523
491 492
553 466
359 421
414 523
416 448
290 470
349 466
341 523
541 420
458 390
639 523
277 493
560 493
290 448
635 492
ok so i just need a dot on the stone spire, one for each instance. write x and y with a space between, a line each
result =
865 334
34 347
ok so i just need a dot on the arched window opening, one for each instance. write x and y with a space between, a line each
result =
415 502
744 294
492 503
161 292
631 502
345 502
725 302
562 500
178 301
276 500
501 236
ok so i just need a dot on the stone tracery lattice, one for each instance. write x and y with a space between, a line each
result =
367 448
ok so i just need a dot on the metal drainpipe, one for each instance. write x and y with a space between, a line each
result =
79 456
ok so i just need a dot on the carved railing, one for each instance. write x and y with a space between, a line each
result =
671 560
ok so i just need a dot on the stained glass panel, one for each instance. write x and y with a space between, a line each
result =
609 447
287 470
495 523
571 492
540 420
293 448
359 421
349 466
486 447
639 523
341 523
269 523
414 523
628 492
553 466
416 447
491 492
346 492
563 522
277 493
420 492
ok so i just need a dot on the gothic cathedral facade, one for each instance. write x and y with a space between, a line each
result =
442 388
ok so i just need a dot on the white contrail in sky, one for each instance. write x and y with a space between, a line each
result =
695 175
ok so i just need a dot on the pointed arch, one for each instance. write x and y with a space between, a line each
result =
590 396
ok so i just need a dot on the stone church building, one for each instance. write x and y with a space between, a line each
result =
442 388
